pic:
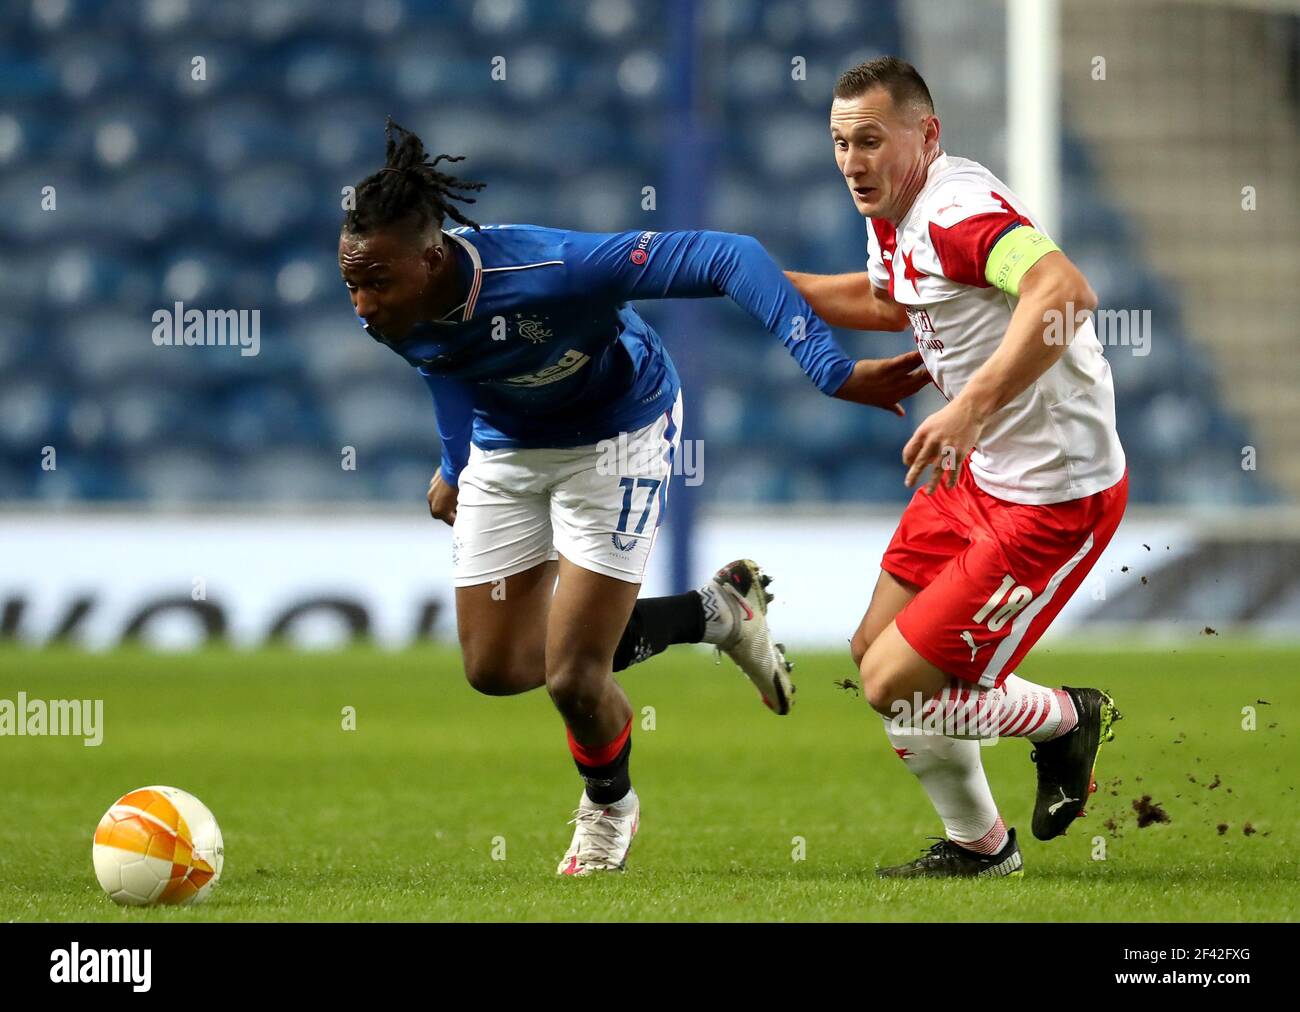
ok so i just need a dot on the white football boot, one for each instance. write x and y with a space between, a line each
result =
602 836
742 587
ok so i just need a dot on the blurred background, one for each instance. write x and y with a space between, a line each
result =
167 151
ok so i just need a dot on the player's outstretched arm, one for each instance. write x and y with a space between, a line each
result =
849 300
668 265
684 265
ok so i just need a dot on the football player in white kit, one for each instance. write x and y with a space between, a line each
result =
1028 480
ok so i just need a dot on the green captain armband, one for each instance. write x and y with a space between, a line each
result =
1013 255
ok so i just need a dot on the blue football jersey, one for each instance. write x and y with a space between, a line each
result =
546 352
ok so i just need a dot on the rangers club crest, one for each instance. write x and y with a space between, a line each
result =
531 329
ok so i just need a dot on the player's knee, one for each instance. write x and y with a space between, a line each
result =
879 694
576 686
882 686
488 676
488 681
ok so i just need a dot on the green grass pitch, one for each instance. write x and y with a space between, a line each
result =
399 818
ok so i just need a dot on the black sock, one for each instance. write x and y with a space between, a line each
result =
611 782
656 624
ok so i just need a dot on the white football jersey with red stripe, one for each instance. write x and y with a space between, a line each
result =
1057 440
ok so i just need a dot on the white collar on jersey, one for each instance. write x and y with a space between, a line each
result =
466 308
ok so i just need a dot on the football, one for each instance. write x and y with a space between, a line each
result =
158 845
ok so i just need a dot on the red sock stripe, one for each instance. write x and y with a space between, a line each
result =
1008 717
1029 707
991 842
1034 725
990 708
599 755
1069 715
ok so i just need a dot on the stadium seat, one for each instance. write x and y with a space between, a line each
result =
222 191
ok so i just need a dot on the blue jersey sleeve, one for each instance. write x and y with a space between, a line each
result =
681 265
453 404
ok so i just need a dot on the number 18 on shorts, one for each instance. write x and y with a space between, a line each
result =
994 574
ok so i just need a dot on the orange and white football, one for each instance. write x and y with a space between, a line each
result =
158 845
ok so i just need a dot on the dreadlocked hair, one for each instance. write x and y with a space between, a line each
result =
409 189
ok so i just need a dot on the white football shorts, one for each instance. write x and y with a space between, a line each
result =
599 506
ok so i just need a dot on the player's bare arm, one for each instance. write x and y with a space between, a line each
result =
1050 287
850 300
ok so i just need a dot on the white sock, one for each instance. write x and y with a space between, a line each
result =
952 774
1016 709
719 614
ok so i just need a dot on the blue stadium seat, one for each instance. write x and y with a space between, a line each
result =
224 193
375 416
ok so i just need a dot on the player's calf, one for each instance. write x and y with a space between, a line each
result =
904 687
1066 725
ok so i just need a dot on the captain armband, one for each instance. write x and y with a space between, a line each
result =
1013 255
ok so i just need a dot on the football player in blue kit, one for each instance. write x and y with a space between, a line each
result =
560 413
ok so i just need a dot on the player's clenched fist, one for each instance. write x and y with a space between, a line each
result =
442 499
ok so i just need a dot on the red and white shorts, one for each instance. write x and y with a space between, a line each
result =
993 573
